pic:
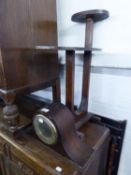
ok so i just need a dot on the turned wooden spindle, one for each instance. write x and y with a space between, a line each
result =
11 112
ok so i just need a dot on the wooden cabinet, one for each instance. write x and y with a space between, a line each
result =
15 167
10 163
28 156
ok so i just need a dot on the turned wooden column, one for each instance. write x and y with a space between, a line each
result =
10 112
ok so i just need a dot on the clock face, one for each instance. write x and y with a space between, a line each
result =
45 129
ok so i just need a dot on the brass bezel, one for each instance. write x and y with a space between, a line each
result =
46 140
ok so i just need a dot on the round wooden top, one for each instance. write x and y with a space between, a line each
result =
95 15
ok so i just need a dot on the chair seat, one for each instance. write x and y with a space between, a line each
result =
95 15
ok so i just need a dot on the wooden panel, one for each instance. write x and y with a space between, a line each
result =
26 23
44 23
28 68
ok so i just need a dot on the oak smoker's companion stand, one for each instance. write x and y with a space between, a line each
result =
89 18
